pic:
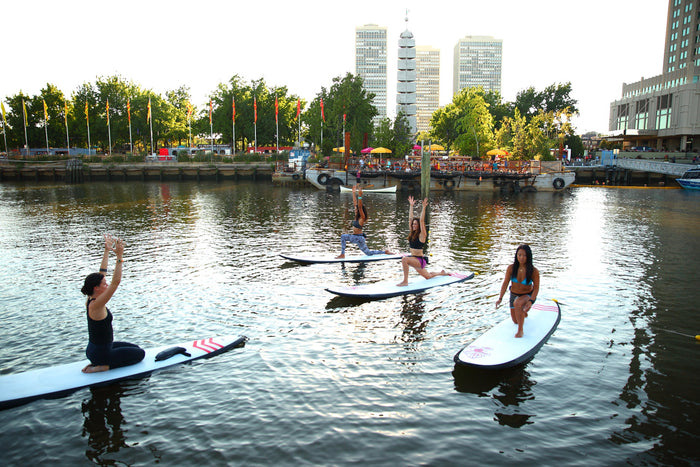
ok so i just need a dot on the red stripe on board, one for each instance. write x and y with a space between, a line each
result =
197 345
216 345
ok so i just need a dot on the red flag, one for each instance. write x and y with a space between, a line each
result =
322 115
344 118
128 109
255 109
233 107
298 107
211 109
276 108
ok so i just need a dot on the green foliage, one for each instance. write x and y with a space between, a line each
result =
465 125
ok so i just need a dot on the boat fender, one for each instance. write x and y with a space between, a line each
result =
558 183
172 351
323 179
295 177
449 184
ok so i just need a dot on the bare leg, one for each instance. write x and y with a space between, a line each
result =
520 314
405 263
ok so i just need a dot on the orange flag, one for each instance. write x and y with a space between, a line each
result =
233 108
211 108
128 110
86 111
298 107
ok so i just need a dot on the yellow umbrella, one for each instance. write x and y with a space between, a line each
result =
435 147
381 150
497 152
340 149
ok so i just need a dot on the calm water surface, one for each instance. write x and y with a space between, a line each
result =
328 381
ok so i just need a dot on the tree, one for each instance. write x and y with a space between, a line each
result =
465 125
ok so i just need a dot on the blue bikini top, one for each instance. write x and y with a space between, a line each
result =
515 280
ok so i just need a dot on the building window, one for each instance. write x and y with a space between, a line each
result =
663 111
622 116
641 116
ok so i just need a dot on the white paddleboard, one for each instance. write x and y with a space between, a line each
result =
312 258
387 289
498 347
19 388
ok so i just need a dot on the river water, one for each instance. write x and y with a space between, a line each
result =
330 381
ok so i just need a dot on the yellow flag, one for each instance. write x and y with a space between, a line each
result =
107 112
3 113
24 111
46 112
148 117
65 112
86 111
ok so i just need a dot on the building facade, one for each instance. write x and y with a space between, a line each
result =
477 62
663 112
427 85
371 64
406 85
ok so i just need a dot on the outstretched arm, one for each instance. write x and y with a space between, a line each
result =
423 228
410 212
109 241
101 301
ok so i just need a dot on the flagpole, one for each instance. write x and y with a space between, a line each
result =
87 119
109 130
233 124
24 113
65 118
211 129
128 111
150 122
4 126
255 125
46 129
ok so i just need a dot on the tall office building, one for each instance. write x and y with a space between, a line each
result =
477 62
662 112
371 63
406 86
427 85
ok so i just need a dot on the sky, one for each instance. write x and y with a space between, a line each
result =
597 45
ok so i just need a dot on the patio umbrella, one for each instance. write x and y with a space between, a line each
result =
366 150
436 147
380 151
340 149
416 147
497 152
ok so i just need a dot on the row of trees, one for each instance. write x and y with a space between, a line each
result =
473 123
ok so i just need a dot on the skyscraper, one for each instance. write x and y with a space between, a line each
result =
406 86
477 62
427 85
371 63
661 112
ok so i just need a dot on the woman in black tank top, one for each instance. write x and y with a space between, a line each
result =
418 235
102 351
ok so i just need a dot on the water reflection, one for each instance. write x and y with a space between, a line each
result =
412 312
514 388
103 423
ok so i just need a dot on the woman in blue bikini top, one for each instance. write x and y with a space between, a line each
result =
524 280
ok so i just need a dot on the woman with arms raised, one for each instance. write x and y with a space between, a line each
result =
103 352
416 241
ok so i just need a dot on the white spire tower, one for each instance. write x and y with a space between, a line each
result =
406 86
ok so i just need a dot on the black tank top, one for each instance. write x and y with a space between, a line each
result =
416 244
100 332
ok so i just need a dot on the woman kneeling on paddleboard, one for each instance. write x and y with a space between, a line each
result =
102 351
416 241
525 284
357 236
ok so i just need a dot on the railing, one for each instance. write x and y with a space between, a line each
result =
668 168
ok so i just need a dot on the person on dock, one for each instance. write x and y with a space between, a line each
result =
357 236
104 353
417 237
525 284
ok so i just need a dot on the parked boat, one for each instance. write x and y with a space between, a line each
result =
550 178
690 179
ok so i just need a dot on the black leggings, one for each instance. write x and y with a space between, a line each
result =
116 354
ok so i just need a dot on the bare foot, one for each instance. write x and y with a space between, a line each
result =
95 368
519 334
340 257
402 284
387 252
